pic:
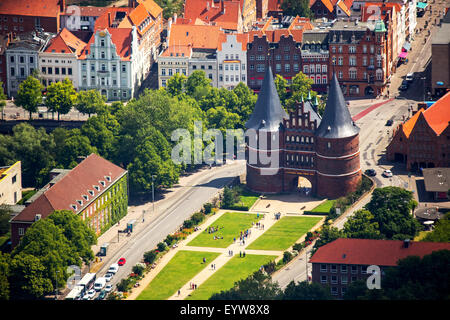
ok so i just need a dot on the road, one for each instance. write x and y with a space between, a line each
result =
170 214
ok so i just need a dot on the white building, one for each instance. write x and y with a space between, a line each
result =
59 59
231 60
22 58
108 62
173 60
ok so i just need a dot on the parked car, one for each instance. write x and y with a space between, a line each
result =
99 284
410 77
404 85
387 173
113 268
108 287
371 172
389 122
102 295
108 276
89 295
121 262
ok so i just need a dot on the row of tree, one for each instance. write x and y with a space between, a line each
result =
39 264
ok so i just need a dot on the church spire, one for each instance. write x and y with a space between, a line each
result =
336 121
268 113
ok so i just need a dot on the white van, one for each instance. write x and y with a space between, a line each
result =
99 284
113 268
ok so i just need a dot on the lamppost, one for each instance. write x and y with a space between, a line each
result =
153 192
143 212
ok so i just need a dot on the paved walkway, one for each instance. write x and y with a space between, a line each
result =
267 221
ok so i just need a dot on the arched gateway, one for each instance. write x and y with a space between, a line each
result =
287 147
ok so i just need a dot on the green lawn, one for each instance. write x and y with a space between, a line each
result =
324 206
230 225
180 269
224 278
284 233
248 198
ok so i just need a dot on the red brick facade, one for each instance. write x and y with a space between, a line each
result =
332 166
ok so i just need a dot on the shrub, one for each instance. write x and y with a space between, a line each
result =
169 239
124 285
150 256
287 256
139 270
270 267
298 246
161 246
188 224
197 218
208 208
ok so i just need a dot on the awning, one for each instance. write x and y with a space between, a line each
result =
403 54
407 46
422 5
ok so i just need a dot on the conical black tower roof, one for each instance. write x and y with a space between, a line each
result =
336 121
268 112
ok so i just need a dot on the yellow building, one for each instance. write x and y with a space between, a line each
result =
11 184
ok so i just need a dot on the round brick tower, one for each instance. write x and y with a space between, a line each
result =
337 147
263 140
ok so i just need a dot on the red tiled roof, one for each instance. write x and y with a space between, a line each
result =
72 187
66 41
120 37
225 14
274 5
341 4
243 38
376 252
102 21
87 11
177 51
38 8
198 36
152 7
437 116
137 17
373 252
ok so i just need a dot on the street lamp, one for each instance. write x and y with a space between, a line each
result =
423 88
153 193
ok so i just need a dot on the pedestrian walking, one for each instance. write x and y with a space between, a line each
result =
244 254
179 292
240 254
204 259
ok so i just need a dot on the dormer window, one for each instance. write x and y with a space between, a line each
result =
91 192
97 188
85 197
80 202
108 178
73 206
103 183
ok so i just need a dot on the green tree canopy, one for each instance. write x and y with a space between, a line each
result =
196 84
362 226
258 286
306 291
297 8
60 97
29 95
89 102
391 208
176 84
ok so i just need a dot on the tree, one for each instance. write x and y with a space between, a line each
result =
297 8
102 131
441 231
362 226
150 256
89 102
5 216
196 83
327 235
60 97
79 235
69 145
28 277
258 286
176 84
29 95
391 208
300 87
281 85
5 263
230 197
306 291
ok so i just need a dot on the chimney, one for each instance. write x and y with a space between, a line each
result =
109 19
406 243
